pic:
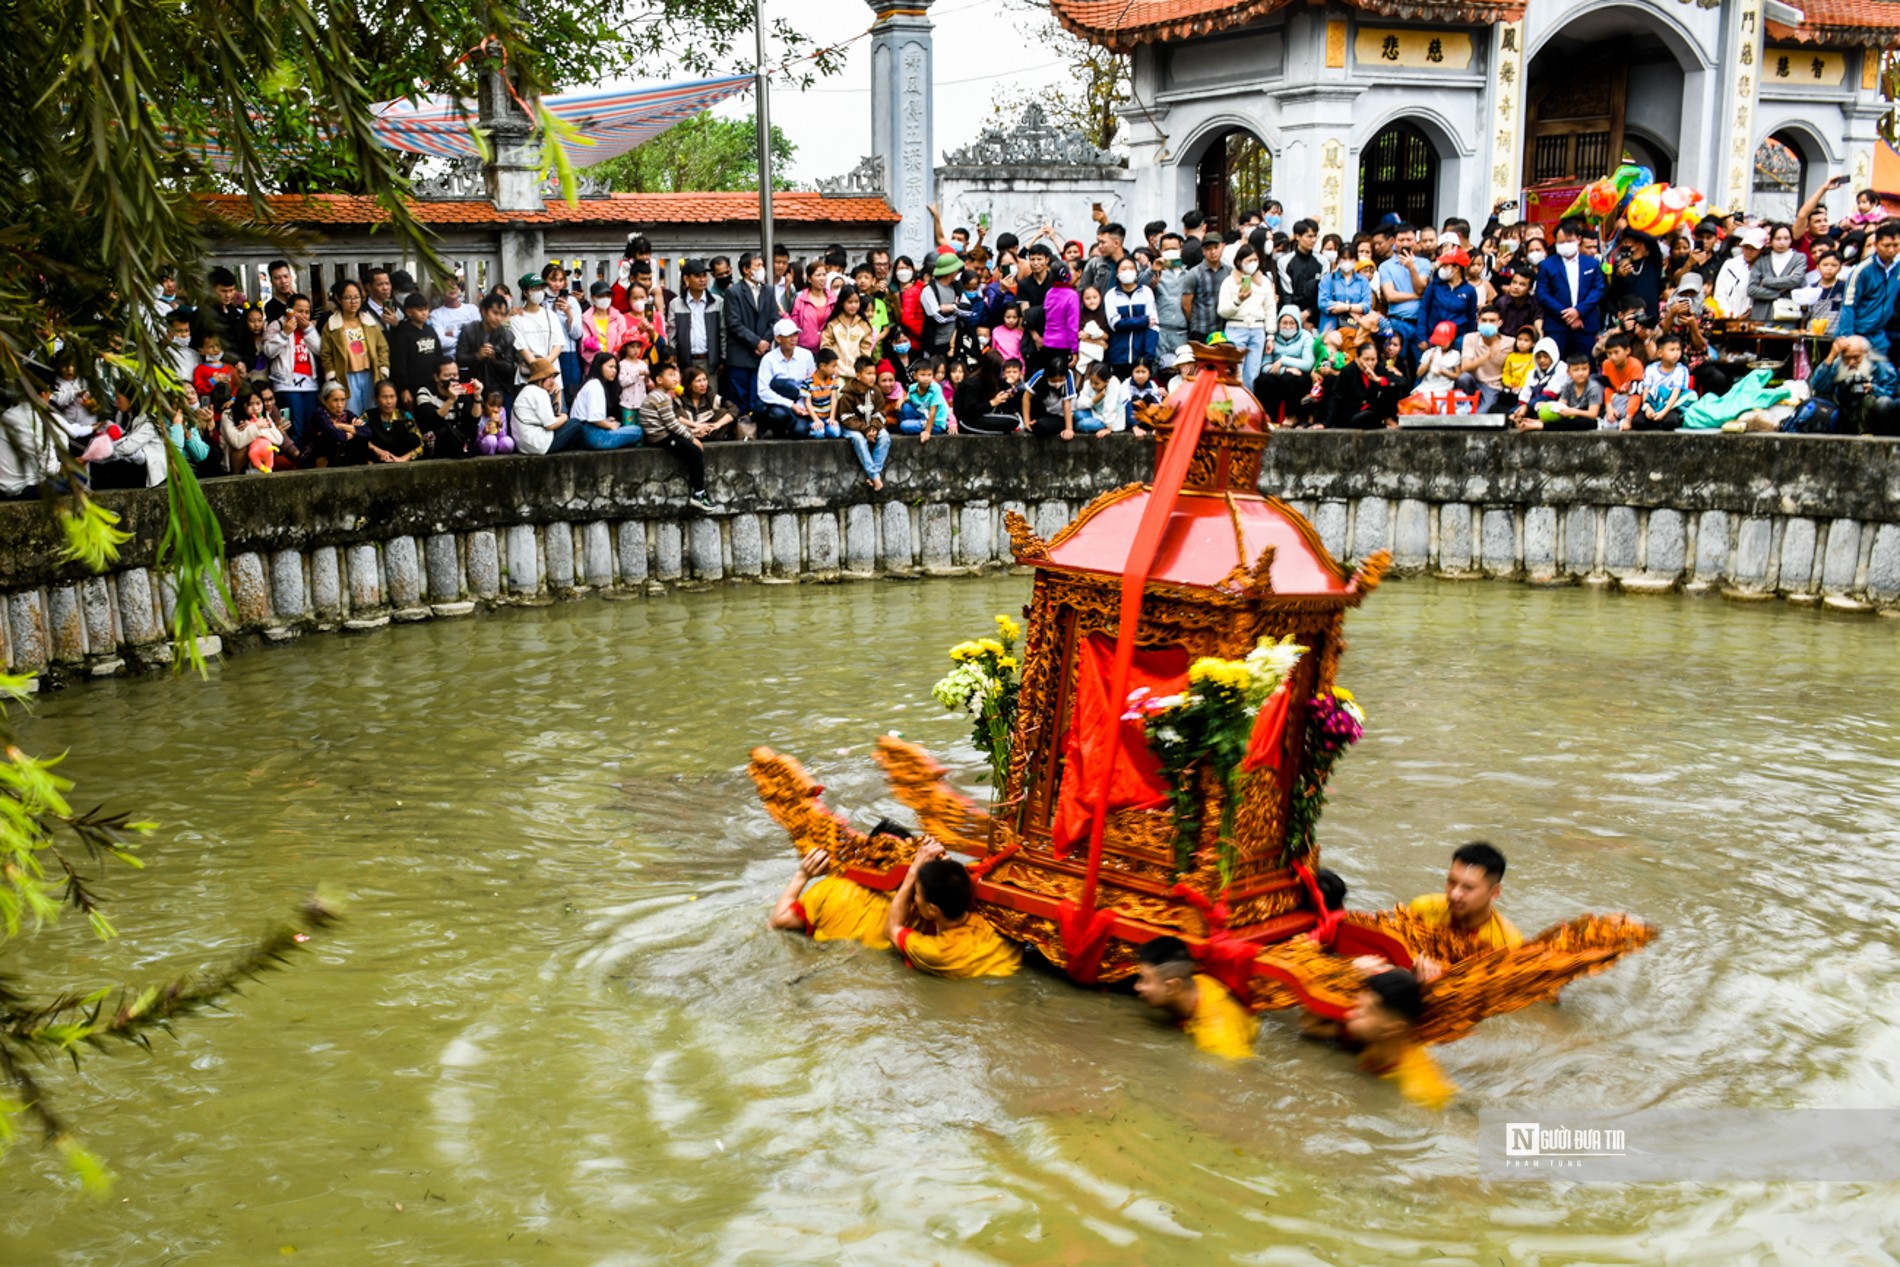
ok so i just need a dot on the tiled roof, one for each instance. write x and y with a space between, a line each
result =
1120 25
617 209
1874 23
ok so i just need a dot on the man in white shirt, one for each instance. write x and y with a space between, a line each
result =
538 331
538 427
784 373
27 452
449 319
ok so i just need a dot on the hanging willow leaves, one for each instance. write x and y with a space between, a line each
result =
189 555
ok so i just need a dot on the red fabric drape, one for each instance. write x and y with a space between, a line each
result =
1264 747
1096 726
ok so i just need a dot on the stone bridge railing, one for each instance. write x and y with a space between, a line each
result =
1811 520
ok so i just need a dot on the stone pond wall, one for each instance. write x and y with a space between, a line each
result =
1808 519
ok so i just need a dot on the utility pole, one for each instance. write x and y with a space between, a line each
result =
762 93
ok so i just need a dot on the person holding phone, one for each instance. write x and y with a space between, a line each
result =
1810 225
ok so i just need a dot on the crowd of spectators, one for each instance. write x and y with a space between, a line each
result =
1045 337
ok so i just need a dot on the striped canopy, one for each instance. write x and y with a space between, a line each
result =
614 122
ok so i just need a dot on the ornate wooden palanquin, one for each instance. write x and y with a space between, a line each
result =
1232 567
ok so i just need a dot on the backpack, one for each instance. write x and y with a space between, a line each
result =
911 309
1813 416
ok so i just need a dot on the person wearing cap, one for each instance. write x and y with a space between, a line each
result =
604 328
1730 293
939 299
783 374
697 319
540 333
1448 298
414 350
1570 291
536 424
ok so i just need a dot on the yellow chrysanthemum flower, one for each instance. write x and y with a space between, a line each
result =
1010 629
1341 693
1212 669
989 646
966 651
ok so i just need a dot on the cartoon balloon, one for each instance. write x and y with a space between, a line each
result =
1646 212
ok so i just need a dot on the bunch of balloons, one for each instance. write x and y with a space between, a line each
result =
1644 203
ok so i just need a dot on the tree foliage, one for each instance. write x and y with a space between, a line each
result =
703 153
1082 94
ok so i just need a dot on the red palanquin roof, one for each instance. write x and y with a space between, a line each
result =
1209 536
1874 23
1120 25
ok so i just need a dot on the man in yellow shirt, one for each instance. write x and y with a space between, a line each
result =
833 908
1211 1015
1468 903
1379 1027
937 890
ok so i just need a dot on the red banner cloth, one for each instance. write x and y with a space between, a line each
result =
1265 748
1097 725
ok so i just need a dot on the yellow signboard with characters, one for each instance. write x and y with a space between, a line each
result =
1413 50
1816 68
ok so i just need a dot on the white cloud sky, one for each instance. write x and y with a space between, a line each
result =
978 46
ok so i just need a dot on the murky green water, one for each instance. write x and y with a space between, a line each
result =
556 1031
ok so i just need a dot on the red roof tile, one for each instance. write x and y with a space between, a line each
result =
1874 23
1120 25
617 209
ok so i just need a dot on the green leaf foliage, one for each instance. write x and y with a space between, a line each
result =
702 154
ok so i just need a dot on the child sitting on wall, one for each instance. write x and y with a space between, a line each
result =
938 894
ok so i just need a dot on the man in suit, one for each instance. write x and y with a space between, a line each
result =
751 312
696 320
1570 291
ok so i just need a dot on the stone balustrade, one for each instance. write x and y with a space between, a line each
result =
1806 519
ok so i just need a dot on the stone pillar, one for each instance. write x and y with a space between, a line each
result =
901 85
1316 126
513 170
1505 88
1736 160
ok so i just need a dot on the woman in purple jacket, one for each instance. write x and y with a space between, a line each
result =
1061 320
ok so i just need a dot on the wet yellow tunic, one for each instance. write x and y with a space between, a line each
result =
1496 933
1419 1078
971 949
1220 1023
837 909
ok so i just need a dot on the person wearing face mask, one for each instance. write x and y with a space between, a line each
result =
751 311
1481 360
537 331
1170 279
1134 323
1246 303
604 327
1345 294
178 350
1570 292
1448 297
567 311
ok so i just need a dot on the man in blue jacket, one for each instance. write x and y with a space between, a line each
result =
1868 307
1570 291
